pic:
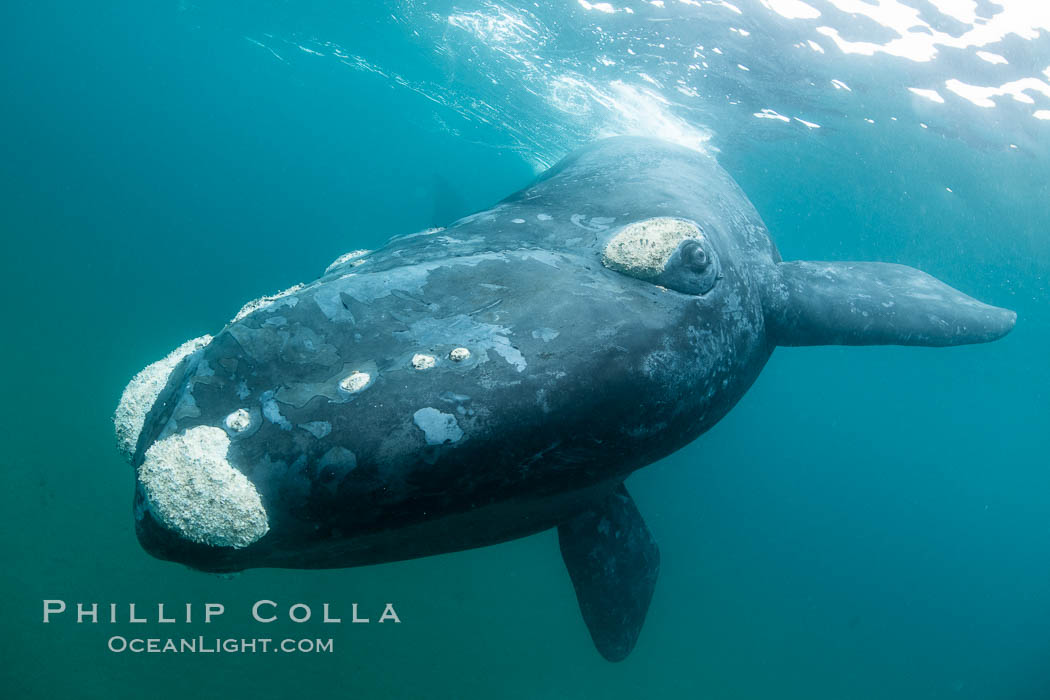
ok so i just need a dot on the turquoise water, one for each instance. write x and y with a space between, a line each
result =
867 523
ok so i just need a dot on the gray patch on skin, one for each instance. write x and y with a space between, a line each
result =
339 456
489 215
408 279
449 240
641 431
543 217
546 257
460 401
541 400
272 412
318 428
302 345
416 234
438 428
290 479
545 334
369 287
595 224
186 407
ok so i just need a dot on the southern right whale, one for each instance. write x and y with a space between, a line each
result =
462 387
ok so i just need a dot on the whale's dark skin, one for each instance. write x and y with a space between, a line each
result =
579 373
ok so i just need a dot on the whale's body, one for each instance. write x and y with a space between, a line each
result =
466 386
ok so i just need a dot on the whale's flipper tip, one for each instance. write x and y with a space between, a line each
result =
613 562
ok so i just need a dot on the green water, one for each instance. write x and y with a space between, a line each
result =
868 523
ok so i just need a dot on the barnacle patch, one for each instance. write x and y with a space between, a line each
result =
264 302
239 421
192 489
142 392
347 257
421 361
642 249
355 382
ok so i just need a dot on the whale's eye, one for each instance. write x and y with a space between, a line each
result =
673 253
694 256
692 269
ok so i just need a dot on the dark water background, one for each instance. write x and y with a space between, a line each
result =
868 523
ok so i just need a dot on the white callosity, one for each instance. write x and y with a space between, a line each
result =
142 392
347 257
262 302
421 361
239 421
642 249
355 382
193 490
459 354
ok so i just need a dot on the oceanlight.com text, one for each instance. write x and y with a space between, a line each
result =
217 645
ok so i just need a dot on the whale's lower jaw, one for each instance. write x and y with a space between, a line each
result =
470 529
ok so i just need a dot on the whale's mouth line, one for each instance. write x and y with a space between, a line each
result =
370 547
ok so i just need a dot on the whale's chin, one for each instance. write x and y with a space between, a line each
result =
470 529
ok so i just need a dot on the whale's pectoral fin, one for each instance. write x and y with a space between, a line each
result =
864 303
613 562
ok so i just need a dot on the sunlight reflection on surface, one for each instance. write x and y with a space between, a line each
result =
687 70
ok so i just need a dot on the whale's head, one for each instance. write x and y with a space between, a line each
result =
455 393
